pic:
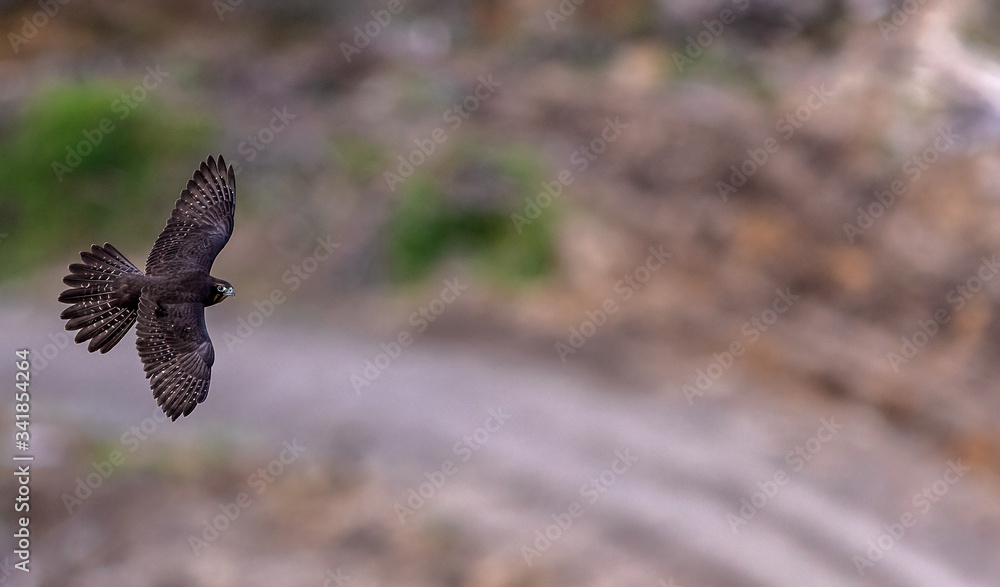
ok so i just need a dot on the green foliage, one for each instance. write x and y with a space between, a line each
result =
79 163
361 159
466 210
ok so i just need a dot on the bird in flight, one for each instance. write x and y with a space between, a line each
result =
109 294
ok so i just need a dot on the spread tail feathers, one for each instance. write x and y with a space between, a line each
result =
100 310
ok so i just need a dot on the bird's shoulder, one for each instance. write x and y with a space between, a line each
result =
178 287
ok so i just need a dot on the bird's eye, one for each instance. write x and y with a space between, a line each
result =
220 287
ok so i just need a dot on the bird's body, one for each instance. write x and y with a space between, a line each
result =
109 294
183 288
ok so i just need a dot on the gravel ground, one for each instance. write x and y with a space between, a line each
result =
630 489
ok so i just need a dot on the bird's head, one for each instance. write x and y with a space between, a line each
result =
221 290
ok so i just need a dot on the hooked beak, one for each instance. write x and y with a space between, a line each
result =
230 292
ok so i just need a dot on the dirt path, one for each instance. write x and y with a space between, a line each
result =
646 488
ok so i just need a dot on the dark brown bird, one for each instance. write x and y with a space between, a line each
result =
109 294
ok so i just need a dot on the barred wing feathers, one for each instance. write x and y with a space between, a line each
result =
200 224
176 353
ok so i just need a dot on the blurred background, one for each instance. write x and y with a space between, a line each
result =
529 292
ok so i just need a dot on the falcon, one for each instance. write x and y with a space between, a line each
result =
108 294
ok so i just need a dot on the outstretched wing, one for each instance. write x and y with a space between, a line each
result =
201 223
176 354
